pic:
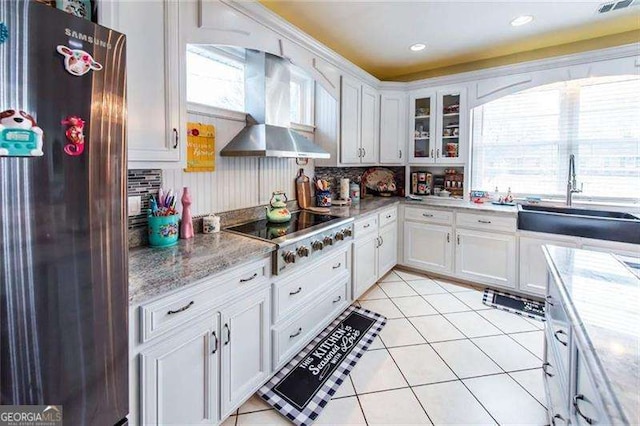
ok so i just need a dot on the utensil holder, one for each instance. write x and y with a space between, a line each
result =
323 198
163 230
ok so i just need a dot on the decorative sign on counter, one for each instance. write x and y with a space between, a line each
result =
201 147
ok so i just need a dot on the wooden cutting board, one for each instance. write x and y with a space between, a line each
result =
303 190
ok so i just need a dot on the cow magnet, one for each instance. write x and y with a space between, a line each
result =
4 32
78 62
20 135
75 135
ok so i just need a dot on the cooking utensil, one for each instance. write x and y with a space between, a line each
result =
303 190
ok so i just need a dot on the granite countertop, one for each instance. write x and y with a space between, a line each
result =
156 271
602 299
366 206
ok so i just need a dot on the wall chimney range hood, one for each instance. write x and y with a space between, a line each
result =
267 101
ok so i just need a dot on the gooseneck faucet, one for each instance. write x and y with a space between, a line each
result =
572 183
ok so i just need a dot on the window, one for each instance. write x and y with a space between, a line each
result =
215 76
301 93
523 141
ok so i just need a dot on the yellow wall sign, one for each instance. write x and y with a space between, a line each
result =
201 147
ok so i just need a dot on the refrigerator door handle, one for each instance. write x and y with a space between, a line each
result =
176 138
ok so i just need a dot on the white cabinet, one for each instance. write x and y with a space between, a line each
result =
359 122
245 348
387 248
153 82
179 376
365 263
533 267
393 125
428 247
486 257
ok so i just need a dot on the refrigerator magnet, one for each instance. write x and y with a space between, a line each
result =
78 62
75 135
20 135
4 32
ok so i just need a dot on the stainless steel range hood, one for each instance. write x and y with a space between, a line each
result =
267 100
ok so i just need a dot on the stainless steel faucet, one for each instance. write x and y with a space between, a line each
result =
572 183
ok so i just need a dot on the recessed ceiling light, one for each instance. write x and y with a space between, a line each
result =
417 47
521 20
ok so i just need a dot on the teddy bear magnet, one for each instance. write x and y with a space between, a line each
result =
78 62
20 135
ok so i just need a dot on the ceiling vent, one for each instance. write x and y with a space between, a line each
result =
614 5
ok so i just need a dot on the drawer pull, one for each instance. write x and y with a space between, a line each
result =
366 226
184 308
337 266
580 397
296 334
559 417
293 293
338 299
549 300
244 280
557 333
427 215
484 221
544 368
215 343
228 334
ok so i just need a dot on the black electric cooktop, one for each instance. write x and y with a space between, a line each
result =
300 221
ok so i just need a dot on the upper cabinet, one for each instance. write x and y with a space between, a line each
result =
359 122
393 127
153 102
440 126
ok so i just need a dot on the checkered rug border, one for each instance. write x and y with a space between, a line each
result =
488 298
314 407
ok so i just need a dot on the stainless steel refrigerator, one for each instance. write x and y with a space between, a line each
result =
63 246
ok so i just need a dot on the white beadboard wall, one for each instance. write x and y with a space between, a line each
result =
237 182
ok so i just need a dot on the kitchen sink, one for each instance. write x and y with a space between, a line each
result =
587 223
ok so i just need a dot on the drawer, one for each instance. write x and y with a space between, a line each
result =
290 337
292 291
555 388
162 315
428 215
365 226
387 216
558 329
486 221
586 403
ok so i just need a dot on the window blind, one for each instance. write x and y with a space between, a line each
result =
523 141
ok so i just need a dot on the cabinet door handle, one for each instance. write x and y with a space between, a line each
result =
337 266
438 152
366 226
364 152
549 300
359 152
427 215
557 333
448 239
244 280
215 343
176 138
389 216
184 308
483 221
431 153
338 299
544 368
559 417
458 239
381 240
228 334
296 334
580 397
400 153
293 293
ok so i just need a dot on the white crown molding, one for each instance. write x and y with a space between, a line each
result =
263 16
611 53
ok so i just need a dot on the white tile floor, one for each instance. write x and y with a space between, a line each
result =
443 358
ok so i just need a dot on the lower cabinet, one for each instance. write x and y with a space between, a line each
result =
245 350
533 267
428 246
365 263
179 376
486 257
387 248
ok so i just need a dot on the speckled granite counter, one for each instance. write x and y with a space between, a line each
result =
365 206
155 271
602 299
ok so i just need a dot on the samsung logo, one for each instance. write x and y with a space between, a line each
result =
87 38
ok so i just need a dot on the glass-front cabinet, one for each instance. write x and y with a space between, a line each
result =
439 133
